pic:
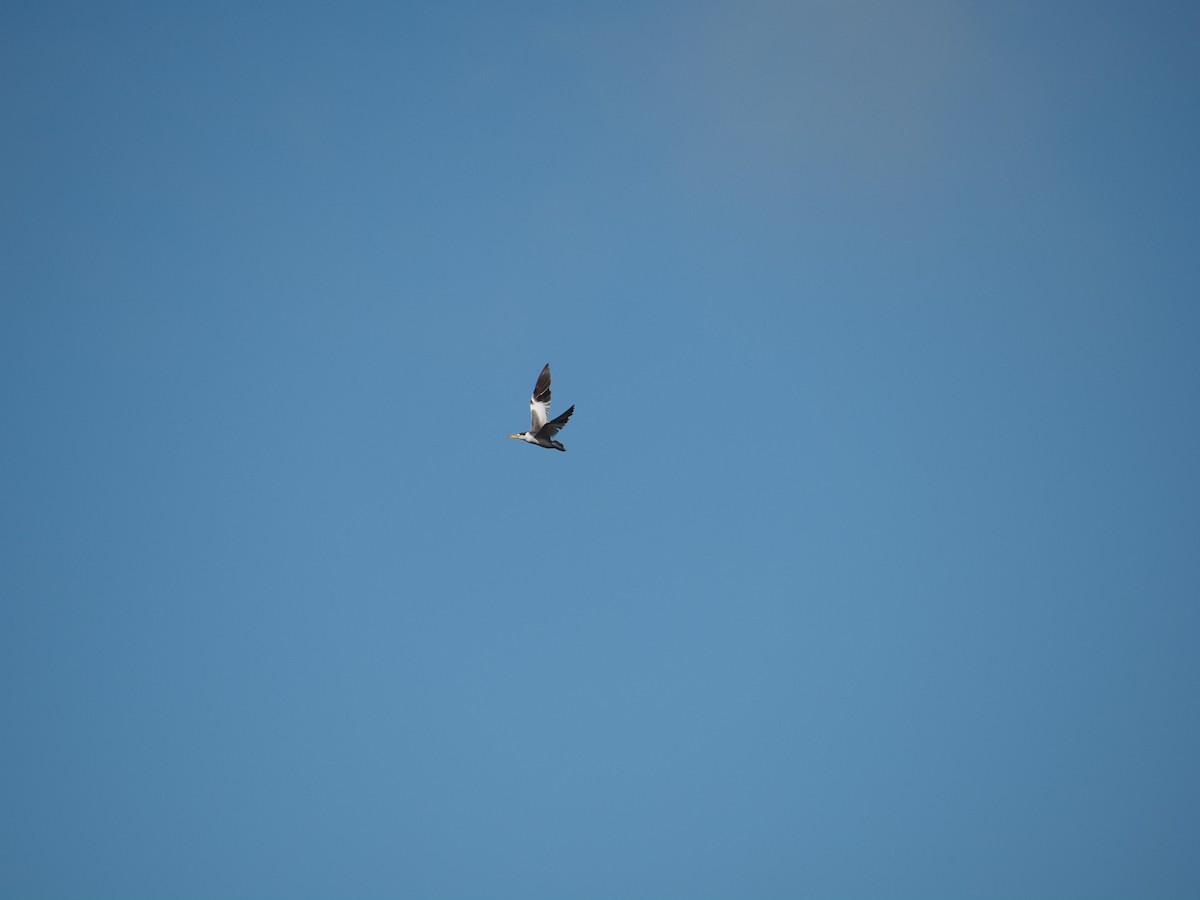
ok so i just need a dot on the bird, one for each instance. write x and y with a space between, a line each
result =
540 431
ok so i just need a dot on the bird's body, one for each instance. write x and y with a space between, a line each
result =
541 432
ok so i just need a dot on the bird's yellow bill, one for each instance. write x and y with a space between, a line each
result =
514 435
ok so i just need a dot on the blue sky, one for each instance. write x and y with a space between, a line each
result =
870 569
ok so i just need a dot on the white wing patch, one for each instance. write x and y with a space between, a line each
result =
539 403
538 413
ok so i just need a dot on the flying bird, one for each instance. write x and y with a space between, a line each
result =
540 431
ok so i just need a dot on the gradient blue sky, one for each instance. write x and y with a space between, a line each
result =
285 615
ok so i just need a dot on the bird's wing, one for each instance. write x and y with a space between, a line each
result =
539 403
550 429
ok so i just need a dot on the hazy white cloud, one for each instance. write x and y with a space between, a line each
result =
863 87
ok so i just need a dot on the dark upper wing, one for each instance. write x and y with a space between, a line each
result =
539 403
550 429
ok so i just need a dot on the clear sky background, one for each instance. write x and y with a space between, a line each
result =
872 568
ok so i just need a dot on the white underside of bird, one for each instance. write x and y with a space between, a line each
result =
541 431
